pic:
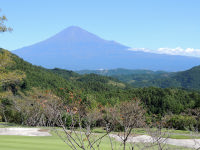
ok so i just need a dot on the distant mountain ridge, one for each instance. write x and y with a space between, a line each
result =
119 71
188 79
77 49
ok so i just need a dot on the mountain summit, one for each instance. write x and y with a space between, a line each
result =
76 34
77 49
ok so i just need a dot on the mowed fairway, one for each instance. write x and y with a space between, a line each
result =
47 143
31 143
10 142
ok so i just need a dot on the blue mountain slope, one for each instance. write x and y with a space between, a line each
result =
77 49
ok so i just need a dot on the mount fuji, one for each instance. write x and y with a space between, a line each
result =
77 49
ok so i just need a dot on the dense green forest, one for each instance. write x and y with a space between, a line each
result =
157 100
95 88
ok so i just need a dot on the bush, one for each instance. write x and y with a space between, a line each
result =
181 122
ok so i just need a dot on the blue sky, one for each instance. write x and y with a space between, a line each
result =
148 24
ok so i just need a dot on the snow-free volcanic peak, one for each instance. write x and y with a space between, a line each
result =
77 49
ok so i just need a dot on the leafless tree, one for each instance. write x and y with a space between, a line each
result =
128 115
76 133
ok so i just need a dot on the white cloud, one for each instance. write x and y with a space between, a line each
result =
171 51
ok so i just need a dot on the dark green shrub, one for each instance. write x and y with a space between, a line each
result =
181 122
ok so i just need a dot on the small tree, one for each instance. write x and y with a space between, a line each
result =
76 118
128 115
3 27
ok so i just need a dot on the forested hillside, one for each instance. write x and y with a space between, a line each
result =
95 89
157 100
189 79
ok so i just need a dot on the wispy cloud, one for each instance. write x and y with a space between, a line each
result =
171 51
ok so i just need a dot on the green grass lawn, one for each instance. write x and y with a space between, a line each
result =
55 143
31 143
46 143
40 143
